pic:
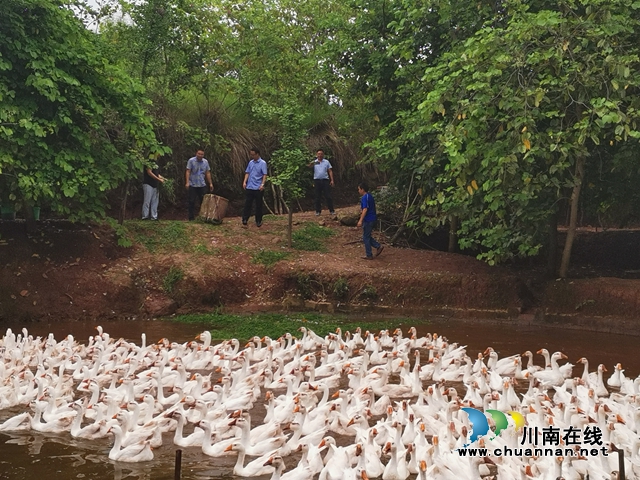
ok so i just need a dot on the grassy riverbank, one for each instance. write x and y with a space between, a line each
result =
274 325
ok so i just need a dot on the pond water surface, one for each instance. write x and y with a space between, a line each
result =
30 456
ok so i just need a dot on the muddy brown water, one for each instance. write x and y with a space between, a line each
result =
30 456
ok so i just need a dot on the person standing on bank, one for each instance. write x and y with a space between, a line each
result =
150 183
198 176
323 181
254 178
367 221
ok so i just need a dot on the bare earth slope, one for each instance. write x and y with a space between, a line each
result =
78 271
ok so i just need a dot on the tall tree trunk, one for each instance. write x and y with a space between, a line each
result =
573 218
123 204
552 245
276 205
30 221
290 228
453 234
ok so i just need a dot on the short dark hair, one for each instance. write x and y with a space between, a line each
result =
320 150
363 186
254 149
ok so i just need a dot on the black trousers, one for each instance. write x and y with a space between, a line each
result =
250 197
323 187
195 192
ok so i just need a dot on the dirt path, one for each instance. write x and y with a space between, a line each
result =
75 271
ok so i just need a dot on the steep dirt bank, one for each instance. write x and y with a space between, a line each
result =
76 271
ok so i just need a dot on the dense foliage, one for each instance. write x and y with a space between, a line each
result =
489 118
501 128
72 126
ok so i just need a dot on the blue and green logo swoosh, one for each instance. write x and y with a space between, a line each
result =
480 423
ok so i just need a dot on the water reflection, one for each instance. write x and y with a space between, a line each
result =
28 456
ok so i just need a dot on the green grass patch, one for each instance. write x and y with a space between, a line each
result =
243 327
269 218
310 237
173 276
204 250
158 236
268 258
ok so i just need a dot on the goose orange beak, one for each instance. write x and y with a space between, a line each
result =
229 448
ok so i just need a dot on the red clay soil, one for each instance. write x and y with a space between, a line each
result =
78 271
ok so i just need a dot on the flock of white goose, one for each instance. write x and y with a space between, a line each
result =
340 407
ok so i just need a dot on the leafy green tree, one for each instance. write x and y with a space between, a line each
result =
504 124
288 161
72 125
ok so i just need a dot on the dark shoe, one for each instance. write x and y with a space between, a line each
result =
258 224
367 258
244 222
332 213
145 218
379 250
317 214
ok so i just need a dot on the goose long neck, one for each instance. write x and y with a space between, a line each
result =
160 391
178 435
245 437
77 421
240 460
585 372
277 473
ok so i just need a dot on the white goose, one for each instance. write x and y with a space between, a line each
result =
396 469
552 377
92 431
194 439
278 464
58 425
132 454
254 468
17 423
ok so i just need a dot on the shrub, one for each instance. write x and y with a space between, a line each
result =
173 276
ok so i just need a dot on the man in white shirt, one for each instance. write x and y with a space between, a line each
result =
198 175
323 181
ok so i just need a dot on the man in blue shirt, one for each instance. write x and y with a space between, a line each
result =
198 171
367 221
254 177
323 181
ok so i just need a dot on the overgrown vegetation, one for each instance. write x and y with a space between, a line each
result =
223 326
489 117
308 287
369 292
341 288
61 101
268 258
310 237
172 277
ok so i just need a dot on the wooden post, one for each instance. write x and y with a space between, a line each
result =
621 473
177 473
